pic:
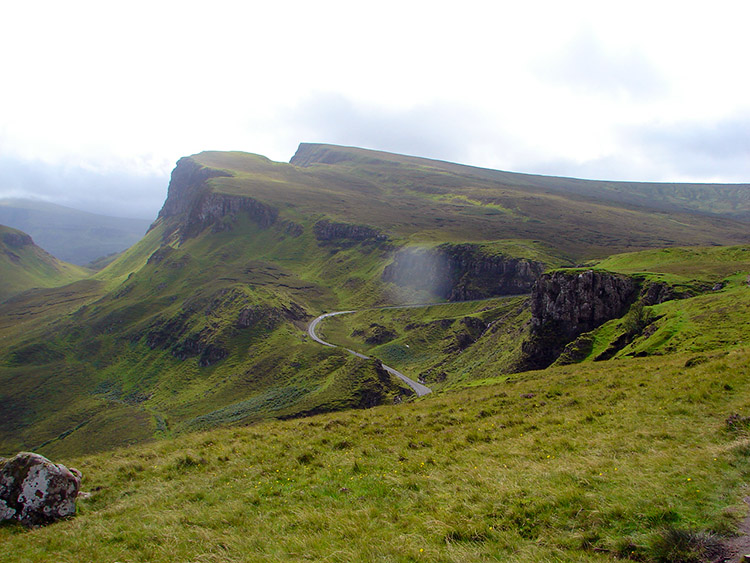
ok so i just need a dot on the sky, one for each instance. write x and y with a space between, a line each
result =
100 99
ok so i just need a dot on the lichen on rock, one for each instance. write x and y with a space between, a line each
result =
35 491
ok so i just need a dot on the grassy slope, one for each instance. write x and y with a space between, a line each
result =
427 201
99 344
729 200
28 266
580 463
69 234
443 345
99 335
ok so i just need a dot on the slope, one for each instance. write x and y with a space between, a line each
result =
23 265
643 459
202 322
69 234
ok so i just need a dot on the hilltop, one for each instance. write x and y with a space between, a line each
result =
202 322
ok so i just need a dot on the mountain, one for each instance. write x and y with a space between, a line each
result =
202 322
71 235
24 266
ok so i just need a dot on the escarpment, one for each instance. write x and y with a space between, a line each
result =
326 231
565 304
459 272
192 205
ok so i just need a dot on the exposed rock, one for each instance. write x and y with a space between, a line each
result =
653 293
466 332
378 334
459 272
17 239
269 317
192 205
292 229
326 230
566 304
35 491
187 184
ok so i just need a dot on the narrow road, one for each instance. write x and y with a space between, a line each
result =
419 389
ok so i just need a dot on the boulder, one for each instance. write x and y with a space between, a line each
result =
35 491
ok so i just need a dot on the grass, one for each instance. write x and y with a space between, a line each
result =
642 457
158 331
578 463
26 266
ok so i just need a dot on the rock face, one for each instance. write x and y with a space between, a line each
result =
17 239
567 304
192 206
329 231
462 271
35 491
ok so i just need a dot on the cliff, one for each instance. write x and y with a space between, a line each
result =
459 272
326 231
192 205
565 304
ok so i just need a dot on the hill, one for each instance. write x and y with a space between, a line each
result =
71 235
643 459
202 322
24 266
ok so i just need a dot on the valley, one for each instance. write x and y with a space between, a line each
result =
385 357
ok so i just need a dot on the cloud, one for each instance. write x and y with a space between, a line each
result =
118 192
706 149
686 151
438 130
588 66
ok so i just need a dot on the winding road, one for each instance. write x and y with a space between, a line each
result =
419 389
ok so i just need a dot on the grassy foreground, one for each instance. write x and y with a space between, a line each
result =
578 463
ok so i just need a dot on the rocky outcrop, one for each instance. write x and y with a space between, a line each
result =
17 239
35 491
326 231
459 272
192 206
566 304
187 335
269 317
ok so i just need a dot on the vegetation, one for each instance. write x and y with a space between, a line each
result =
177 376
591 462
23 265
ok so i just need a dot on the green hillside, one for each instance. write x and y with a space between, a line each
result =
631 460
181 379
69 234
24 266
202 322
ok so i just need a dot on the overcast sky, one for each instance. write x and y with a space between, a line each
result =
99 99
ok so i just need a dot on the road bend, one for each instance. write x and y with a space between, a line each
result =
419 389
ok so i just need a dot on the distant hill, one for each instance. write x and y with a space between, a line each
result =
726 200
71 235
23 265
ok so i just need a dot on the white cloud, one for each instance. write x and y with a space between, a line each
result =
134 86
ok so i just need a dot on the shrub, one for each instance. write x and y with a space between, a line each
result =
676 545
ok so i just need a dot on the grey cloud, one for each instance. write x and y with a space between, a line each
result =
584 66
119 193
702 149
694 151
440 131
